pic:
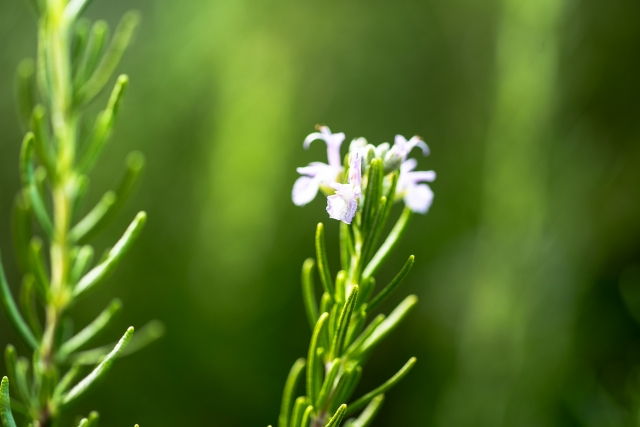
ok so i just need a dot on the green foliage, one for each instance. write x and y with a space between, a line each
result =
69 73
341 341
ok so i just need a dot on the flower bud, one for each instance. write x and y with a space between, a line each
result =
392 160
357 144
381 150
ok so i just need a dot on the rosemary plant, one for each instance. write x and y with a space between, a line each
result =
360 193
75 61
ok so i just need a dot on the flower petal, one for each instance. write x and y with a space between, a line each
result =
340 208
428 176
304 190
419 198
312 137
408 165
416 141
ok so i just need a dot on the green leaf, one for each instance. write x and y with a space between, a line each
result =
390 323
343 324
327 385
74 8
42 147
337 417
384 293
323 264
25 90
366 417
95 47
82 185
111 202
93 218
382 217
103 126
346 246
99 372
346 387
308 291
15 318
370 329
81 31
93 419
121 39
364 400
289 390
91 330
37 267
358 320
28 305
68 378
149 333
22 231
5 404
306 417
81 264
28 179
312 386
367 286
391 241
370 236
134 165
299 408
372 195
98 273
16 374
341 282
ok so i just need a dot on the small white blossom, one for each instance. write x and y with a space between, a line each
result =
418 197
400 150
343 205
316 174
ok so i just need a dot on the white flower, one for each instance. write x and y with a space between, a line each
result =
316 174
343 205
404 147
400 150
418 197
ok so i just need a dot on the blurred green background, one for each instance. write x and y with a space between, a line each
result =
527 264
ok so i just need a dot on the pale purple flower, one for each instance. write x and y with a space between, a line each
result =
343 205
316 174
400 150
404 147
418 197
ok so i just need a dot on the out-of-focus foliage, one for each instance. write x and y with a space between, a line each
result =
526 267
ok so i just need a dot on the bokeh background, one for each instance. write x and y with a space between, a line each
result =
527 264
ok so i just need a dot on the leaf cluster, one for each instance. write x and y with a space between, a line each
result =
341 340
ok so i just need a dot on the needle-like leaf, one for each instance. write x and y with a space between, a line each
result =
387 325
98 373
121 39
364 400
327 385
289 390
384 293
366 417
343 324
14 315
391 241
91 330
97 274
337 417
29 182
312 386
308 291
5 404
323 264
